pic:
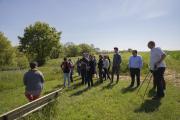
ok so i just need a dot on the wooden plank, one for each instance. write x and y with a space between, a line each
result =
30 107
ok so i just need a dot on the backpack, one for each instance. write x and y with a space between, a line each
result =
66 68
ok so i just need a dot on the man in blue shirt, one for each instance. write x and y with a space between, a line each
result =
135 65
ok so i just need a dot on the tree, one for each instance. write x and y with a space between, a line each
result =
7 54
85 48
73 50
38 41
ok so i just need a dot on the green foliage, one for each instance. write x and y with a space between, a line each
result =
85 48
21 60
73 51
39 42
7 54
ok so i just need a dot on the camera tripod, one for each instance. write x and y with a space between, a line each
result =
147 78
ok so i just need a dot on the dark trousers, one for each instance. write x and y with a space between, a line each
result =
101 75
71 76
90 79
159 79
155 82
106 74
135 72
83 76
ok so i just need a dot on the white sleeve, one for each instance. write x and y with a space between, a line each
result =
160 52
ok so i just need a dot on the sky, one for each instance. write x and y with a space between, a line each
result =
104 23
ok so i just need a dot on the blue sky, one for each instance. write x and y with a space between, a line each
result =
104 23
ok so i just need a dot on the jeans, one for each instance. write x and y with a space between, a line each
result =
66 77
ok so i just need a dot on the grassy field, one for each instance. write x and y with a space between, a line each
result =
104 101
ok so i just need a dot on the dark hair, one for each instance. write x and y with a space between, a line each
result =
33 65
135 51
151 42
116 48
65 59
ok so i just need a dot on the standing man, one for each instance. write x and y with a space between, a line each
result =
84 65
158 67
71 69
135 65
100 67
33 81
116 65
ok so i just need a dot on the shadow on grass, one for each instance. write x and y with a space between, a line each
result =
152 92
128 89
76 78
79 92
109 86
149 106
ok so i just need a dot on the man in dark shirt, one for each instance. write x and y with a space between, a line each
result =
100 67
116 64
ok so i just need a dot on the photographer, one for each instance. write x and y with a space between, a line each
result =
157 67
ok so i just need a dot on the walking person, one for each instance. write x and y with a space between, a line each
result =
116 65
157 66
135 65
65 66
33 81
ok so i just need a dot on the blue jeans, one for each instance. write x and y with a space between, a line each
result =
66 77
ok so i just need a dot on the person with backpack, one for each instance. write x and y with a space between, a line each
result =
65 66
33 81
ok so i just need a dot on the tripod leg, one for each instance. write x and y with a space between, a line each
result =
143 82
147 86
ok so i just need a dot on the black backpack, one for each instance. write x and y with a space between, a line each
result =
66 68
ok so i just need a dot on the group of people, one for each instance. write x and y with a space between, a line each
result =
86 68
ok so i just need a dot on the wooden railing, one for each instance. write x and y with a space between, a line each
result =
30 107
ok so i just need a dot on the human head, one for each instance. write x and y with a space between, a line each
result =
33 65
65 59
115 49
134 52
151 44
90 57
100 56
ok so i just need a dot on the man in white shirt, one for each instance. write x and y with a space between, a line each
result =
135 65
157 66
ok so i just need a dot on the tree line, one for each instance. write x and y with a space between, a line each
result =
40 42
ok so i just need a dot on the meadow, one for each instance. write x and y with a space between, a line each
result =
103 101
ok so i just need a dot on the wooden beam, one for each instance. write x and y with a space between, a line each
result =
31 106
